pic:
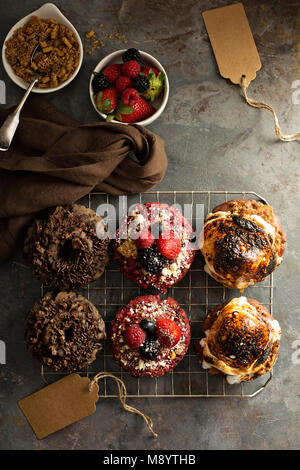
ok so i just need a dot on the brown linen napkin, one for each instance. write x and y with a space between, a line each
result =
56 160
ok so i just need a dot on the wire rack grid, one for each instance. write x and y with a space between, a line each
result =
197 293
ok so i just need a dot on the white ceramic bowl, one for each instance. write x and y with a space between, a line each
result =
147 59
48 10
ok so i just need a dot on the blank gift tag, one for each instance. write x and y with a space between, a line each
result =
232 42
62 403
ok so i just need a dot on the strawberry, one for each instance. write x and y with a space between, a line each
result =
157 83
130 96
138 112
122 83
112 72
169 247
134 336
168 332
146 70
131 69
107 100
145 240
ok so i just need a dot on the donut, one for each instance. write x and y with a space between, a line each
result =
64 249
153 246
241 340
149 336
64 331
242 243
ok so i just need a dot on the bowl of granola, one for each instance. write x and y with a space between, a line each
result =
58 47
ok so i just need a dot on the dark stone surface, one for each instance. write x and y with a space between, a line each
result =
213 141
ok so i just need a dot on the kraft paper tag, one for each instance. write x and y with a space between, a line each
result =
232 42
62 403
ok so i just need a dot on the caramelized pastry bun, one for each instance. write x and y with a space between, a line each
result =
241 340
242 242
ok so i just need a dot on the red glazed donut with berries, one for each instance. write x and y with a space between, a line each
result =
150 336
153 246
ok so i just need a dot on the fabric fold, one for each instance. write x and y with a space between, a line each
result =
56 160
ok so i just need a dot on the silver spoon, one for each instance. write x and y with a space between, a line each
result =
9 127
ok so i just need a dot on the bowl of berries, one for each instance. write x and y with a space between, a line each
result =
129 86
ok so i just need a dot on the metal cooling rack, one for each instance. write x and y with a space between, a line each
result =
197 293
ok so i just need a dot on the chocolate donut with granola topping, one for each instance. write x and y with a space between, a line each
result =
64 247
64 331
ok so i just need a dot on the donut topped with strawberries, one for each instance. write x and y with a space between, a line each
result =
149 336
153 245
125 92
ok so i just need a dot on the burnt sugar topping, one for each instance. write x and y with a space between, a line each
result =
242 242
241 340
64 331
64 249
153 246
149 336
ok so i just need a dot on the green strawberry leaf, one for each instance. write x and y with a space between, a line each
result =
118 116
161 76
106 104
98 99
125 109
151 75
110 117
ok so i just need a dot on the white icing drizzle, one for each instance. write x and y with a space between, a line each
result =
239 283
233 378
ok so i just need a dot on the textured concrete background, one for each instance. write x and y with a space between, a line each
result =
213 141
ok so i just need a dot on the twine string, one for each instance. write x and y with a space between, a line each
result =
260 104
123 396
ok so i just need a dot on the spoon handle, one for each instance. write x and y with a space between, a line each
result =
8 128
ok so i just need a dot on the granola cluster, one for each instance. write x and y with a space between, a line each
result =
56 59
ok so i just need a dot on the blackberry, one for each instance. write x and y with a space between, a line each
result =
131 54
149 349
148 325
152 260
141 83
100 82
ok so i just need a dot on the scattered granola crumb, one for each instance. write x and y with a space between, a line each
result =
92 39
90 34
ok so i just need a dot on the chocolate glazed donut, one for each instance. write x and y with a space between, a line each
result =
64 249
242 243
